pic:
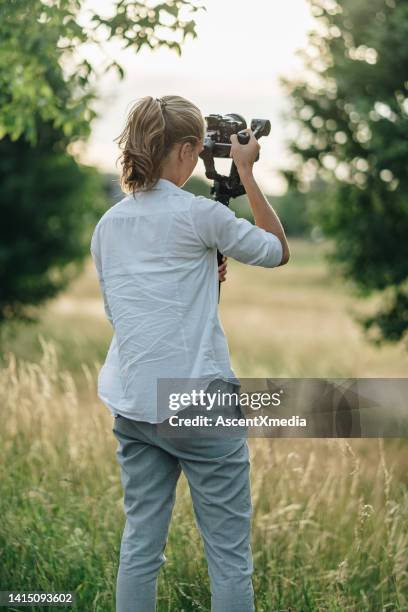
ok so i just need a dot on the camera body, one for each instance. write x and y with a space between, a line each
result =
217 144
219 130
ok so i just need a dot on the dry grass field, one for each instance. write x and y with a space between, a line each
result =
330 516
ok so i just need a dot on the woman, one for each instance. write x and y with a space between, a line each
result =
155 255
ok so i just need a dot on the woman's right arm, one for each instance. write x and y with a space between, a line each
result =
265 217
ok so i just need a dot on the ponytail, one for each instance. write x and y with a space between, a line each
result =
152 127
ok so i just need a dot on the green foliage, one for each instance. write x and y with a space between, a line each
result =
293 210
47 90
42 47
198 186
49 203
351 108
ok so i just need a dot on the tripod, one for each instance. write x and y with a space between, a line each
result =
217 144
225 188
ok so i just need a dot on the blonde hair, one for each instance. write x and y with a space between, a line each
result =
152 127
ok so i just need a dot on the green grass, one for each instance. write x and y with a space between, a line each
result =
330 516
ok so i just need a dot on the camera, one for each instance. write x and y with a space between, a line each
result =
217 144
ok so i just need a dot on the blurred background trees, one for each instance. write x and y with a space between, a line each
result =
49 201
348 175
43 45
351 109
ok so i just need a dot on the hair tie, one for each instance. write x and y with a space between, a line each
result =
161 102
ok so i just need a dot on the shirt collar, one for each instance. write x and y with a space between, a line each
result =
166 185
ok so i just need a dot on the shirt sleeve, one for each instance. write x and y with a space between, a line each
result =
218 227
94 249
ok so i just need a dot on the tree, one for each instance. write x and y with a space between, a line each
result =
351 109
48 204
41 38
293 209
47 89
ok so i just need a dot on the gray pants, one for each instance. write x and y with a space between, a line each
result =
217 471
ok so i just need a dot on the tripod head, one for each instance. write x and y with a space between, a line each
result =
217 144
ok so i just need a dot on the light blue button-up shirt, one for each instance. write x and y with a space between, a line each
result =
155 257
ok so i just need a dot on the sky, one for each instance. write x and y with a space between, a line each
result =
234 65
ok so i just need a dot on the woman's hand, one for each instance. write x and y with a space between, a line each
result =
244 156
222 270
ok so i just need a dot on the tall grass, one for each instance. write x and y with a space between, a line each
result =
329 523
330 516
